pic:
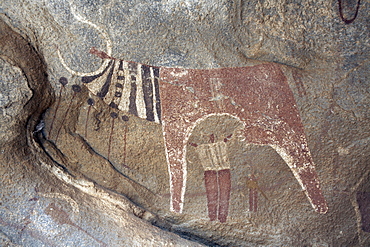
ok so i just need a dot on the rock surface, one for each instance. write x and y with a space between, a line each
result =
76 171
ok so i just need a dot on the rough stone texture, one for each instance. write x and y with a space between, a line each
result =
87 178
14 94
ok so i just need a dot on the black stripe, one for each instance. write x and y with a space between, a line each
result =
105 87
156 89
132 67
132 106
120 67
88 79
148 92
156 72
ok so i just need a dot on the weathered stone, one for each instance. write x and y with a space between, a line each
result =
14 95
97 168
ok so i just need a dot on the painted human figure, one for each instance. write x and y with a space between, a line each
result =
253 193
217 177
254 188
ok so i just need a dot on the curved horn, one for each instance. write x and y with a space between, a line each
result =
103 34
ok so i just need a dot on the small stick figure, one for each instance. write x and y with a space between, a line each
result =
253 192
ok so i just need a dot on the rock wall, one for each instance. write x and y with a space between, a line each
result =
184 123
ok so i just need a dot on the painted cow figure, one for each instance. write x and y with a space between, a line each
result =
258 96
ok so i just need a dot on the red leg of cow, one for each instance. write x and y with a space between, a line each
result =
175 152
298 158
224 184
176 120
177 182
301 163
292 146
210 180
310 183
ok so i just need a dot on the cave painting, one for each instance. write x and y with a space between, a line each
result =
252 185
258 96
217 177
